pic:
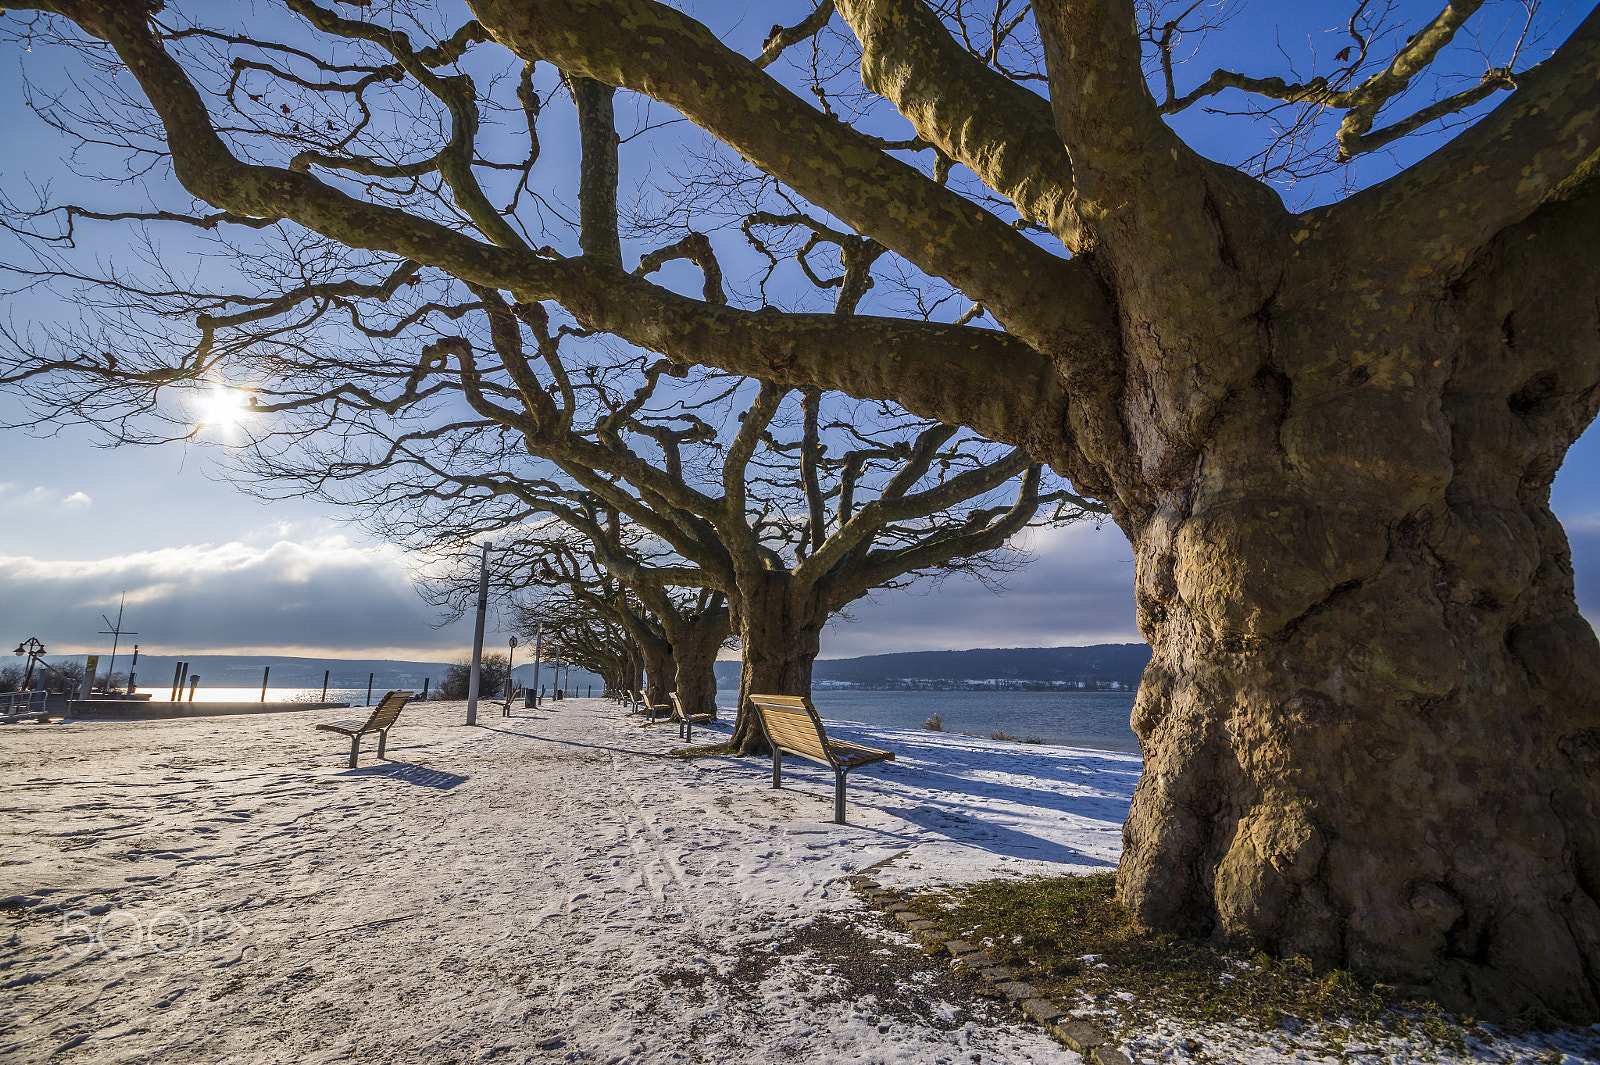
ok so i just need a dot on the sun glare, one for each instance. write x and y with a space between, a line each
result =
223 408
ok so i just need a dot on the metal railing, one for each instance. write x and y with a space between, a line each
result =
14 703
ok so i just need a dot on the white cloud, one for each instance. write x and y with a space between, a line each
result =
77 499
324 596
1077 590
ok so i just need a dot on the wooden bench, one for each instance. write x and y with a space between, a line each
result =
641 703
381 721
791 724
687 722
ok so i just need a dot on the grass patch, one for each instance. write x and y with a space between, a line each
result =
715 750
1010 737
1072 939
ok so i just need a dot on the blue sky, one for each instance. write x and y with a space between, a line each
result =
210 569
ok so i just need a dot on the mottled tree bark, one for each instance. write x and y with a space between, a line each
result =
695 643
780 628
660 671
1371 722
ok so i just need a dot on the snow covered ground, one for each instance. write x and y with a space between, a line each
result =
550 886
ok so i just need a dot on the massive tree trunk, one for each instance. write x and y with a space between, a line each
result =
695 643
781 631
1371 722
660 671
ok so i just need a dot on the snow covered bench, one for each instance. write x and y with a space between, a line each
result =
791 724
686 721
382 719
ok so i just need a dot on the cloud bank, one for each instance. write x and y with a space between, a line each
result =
326 597
322 597
1077 590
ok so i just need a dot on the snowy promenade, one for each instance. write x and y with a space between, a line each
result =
546 887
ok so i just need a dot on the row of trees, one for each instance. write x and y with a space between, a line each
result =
1329 430
735 510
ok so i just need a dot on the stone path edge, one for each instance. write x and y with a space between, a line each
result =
1074 1034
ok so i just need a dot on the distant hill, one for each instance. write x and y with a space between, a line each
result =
1103 666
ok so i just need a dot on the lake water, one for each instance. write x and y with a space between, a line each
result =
204 694
353 696
1079 719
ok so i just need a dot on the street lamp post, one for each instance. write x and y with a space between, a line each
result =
35 651
538 650
511 684
477 638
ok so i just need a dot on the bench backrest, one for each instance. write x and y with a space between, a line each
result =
389 708
792 723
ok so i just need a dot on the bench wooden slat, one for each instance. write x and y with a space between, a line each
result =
380 721
791 724
686 721
855 754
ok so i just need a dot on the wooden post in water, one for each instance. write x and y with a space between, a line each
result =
425 687
369 688
194 682
177 679
266 671
325 684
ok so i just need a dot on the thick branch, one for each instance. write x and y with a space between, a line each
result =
654 50
996 128
989 381
1103 108
1495 174
1368 98
597 187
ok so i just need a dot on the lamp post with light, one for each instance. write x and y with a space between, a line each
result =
35 651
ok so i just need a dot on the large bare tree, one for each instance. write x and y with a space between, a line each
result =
1372 719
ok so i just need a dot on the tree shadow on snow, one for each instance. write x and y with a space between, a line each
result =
975 830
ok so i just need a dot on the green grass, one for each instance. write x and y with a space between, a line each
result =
1072 939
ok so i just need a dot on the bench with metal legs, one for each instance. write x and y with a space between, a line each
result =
791 724
382 719
687 721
